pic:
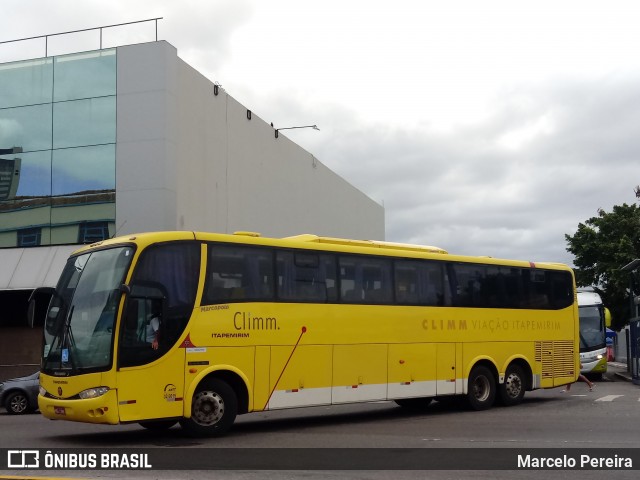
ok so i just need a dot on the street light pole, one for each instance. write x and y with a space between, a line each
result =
315 127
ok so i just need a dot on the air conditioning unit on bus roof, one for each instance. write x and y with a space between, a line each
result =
366 243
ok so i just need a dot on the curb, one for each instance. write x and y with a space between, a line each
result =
623 376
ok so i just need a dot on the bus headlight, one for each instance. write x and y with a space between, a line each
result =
43 392
93 392
599 357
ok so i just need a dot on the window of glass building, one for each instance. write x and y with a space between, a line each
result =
26 83
29 237
91 232
27 127
85 75
60 113
90 121
80 170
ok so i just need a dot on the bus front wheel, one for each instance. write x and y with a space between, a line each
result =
482 388
513 388
213 409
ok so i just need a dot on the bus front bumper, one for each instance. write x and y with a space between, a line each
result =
103 409
595 366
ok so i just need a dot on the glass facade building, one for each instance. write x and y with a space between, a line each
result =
58 149
182 153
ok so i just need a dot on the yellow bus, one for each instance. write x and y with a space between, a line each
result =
197 328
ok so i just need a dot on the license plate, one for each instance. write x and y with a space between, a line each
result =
59 410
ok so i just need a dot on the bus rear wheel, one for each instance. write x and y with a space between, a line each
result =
482 388
513 388
213 409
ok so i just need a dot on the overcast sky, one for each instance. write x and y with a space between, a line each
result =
485 127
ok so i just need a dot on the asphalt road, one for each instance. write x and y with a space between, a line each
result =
608 418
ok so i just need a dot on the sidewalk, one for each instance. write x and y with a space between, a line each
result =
618 371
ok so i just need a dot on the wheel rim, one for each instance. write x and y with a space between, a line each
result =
481 388
208 408
513 385
18 404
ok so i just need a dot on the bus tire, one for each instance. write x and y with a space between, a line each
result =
158 424
414 404
482 388
213 409
514 386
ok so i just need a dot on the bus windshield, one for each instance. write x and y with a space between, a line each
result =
592 330
80 320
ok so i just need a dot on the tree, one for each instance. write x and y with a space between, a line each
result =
602 245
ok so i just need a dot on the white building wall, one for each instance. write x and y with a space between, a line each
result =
279 189
145 138
202 131
189 159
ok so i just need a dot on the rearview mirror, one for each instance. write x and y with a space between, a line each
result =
37 303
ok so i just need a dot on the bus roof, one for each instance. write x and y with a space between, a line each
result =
365 243
314 242
588 298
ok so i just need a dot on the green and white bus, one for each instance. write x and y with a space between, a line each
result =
593 333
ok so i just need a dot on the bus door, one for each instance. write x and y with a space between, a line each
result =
158 307
151 373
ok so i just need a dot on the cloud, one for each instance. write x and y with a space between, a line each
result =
202 31
484 128
467 191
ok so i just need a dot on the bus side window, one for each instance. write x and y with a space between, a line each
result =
377 277
166 275
490 287
420 282
537 292
351 290
433 285
406 282
468 278
224 277
513 289
238 273
306 277
365 280
561 289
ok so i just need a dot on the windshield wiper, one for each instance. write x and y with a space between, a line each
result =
64 343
